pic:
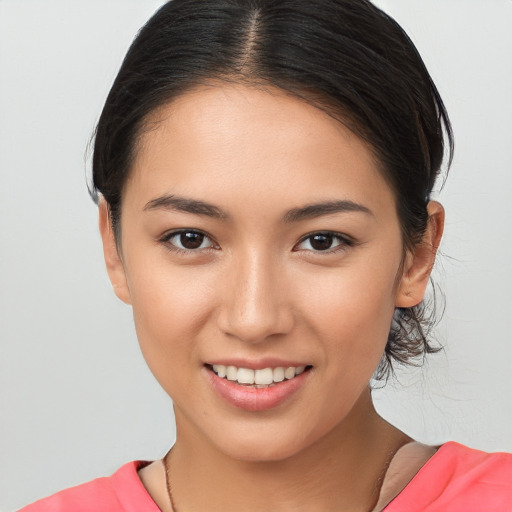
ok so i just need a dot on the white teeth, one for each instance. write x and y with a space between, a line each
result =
257 378
231 372
246 376
289 373
265 376
279 374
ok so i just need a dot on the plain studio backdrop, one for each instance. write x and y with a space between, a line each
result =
76 398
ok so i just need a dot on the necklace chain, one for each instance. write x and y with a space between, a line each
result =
168 486
168 480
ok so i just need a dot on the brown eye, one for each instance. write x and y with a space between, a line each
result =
318 242
321 242
189 240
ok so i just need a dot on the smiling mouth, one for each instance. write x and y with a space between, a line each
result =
264 378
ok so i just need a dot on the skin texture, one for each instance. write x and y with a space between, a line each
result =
256 288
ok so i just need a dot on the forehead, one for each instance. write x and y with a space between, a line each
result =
231 140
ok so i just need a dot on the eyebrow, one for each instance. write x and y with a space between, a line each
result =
182 204
312 211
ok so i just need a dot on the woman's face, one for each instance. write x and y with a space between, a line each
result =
258 234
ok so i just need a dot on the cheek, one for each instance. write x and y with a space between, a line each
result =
352 308
170 307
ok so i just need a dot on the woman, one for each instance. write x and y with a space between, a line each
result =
264 172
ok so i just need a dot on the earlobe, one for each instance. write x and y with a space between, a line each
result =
419 262
113 262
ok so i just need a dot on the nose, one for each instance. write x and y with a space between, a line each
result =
255 305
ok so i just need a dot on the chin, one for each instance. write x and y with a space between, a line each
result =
262 452
265 444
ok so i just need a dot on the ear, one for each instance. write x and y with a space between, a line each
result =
419 263
113 261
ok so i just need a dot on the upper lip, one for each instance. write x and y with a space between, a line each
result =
257 364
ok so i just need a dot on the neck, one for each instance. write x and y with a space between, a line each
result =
341 471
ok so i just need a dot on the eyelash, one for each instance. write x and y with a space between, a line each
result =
343 242
166 239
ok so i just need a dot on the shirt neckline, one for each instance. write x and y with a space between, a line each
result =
130 473
403 495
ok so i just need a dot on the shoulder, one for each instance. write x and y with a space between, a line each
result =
121 492
476 468
459 478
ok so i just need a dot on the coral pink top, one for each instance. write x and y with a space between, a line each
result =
455 479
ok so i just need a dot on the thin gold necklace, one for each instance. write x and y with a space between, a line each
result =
168 485
168 480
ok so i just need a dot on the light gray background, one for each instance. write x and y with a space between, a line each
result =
76 399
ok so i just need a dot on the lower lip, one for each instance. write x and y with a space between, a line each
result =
256 399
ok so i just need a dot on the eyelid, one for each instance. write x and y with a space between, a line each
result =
169 235
345 242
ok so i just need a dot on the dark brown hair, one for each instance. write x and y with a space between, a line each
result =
346 57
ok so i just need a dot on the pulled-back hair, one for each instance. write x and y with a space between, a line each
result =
346 57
